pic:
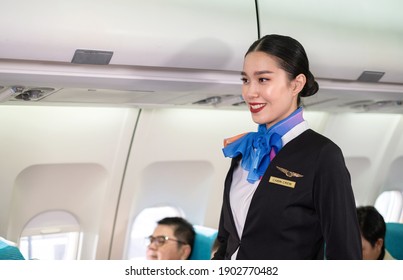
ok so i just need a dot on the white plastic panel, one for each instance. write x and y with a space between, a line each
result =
360 170
365 135
342 38
367 141
390 205
183 157
53 222
64 158
205 34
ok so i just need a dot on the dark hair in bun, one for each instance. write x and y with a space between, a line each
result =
291 57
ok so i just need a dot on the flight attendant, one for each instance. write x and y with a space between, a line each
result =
288 192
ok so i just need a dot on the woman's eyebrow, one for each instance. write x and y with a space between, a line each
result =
258 72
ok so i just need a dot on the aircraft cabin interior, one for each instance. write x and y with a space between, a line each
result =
113 113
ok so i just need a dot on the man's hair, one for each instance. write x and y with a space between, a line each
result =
183 230
372 226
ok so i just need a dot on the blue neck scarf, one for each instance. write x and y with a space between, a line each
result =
259 148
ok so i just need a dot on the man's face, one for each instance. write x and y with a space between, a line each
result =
170 248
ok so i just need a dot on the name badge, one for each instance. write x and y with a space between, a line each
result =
282 182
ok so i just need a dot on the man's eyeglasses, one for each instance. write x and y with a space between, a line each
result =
160 240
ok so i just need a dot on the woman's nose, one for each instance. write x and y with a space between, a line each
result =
250 91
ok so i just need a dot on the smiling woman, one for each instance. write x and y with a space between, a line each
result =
288 191
95 150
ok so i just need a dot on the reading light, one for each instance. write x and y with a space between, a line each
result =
230 100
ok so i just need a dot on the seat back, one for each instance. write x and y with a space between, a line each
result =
9 252
203 243
394 240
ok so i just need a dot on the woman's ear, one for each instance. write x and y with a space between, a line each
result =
298 84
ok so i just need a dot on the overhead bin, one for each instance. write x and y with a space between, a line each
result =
198 34
342 38
124 51
182 52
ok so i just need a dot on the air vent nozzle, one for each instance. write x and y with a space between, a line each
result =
34 94
378 105
220 101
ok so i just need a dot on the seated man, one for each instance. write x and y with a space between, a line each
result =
373 230
172 239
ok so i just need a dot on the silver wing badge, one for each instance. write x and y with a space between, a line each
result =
289 173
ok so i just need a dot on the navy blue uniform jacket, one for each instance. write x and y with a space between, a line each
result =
292 218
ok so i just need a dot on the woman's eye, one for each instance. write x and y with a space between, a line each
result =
244 80
262 80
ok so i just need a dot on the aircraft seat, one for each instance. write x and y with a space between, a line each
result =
394 240
203 243
9 252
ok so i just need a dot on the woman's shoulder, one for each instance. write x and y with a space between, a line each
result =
312 135
318 142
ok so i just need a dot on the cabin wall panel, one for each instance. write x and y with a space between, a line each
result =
178 136
68 158
394 175
366 141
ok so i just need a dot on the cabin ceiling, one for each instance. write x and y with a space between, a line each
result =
190 53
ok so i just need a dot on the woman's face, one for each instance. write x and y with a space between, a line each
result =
267 90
